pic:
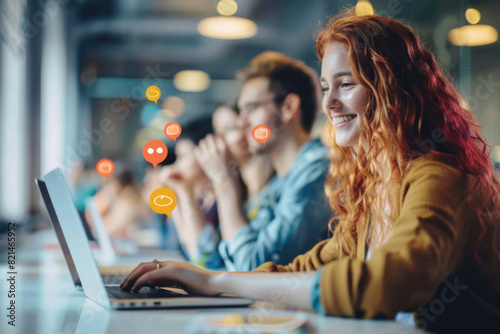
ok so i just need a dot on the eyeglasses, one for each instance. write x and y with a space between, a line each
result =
251 106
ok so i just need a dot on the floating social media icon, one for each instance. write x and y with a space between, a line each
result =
261 133
153 93
163 201
155 151
105 167
173 130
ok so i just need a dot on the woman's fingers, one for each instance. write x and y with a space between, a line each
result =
210 142
160 277
191 278
136 273
201 156
203 145
197 155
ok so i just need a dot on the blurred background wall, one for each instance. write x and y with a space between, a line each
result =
74 73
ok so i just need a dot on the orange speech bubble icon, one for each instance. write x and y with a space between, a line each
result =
163 201
155 151
105 167
261 133
173 130
153 93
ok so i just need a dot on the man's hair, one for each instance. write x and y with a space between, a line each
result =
286 76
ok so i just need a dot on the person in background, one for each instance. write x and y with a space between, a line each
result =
283 94
253 173
255 170
84 182
165 226
196 211
120 204
83 179
417 200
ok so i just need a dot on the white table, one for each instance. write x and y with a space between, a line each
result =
47 302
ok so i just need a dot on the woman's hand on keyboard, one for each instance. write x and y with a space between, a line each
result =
171 273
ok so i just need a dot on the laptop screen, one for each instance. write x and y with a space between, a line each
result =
57 227
76 239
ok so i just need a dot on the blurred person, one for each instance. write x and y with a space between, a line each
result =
255 169
196 211
283 94
120 204
169 238
84 182
252 173
417 201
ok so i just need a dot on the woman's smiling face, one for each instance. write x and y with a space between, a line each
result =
344 99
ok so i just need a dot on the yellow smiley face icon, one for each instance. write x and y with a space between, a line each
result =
163 201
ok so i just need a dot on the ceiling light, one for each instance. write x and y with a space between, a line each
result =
473 35
227 27
364 7
191 81
472 15
227 7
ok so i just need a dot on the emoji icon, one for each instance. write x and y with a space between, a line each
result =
105 167
155 151
261 133
163 201
153 93
173 130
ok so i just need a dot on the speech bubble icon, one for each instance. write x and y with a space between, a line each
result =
172 130
155 151
105 167
261 133
163 201
153 93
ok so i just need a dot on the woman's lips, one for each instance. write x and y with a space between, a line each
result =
340 121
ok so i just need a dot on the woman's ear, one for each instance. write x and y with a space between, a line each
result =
291 108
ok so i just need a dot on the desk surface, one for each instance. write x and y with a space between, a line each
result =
47 302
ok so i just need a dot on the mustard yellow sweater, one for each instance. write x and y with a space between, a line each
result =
426 266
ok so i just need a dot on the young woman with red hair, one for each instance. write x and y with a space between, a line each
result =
418 202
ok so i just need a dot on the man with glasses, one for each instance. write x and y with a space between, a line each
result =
293 213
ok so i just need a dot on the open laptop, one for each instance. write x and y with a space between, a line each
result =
107 251
112 295
108 255
114 276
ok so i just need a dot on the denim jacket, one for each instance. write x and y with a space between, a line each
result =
293 215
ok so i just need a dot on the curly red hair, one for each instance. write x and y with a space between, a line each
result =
413 109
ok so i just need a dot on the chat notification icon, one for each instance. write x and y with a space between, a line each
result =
261 133
153 93
163 201
172 130
105 167
155 151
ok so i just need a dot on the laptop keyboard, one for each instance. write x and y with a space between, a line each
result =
145 292
113 279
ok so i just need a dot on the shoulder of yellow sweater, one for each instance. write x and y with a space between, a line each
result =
432 161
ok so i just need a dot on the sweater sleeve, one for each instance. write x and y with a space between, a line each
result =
323 252
424 248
